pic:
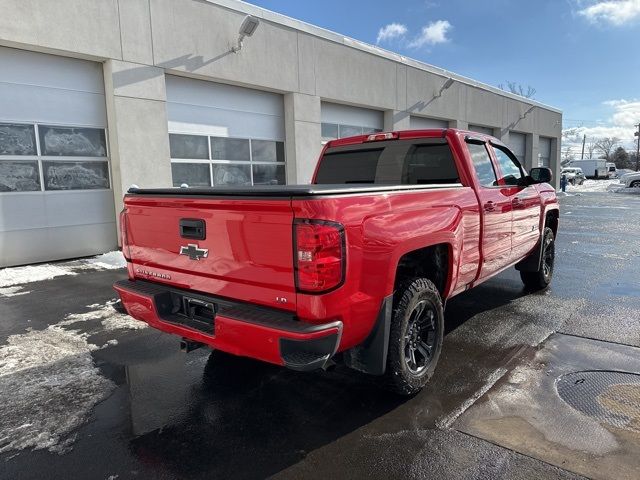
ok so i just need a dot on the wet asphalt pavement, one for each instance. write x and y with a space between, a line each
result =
206 415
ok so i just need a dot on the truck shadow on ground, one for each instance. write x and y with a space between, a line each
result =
247 419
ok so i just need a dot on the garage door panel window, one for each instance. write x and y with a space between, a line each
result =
89 175
189 146
193 174
233 161
50 168
231 174
17 139
19 176
268 174
72 141
329 131
333 131
230 149
267 151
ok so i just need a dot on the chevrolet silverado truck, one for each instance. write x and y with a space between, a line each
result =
355 267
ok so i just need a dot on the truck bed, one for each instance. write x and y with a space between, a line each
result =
285 191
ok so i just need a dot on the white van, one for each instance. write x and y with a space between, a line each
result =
611 170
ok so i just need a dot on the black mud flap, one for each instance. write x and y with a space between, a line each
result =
533 261
371 355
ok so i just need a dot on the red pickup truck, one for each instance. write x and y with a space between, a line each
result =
355 267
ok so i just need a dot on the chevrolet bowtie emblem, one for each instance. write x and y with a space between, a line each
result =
193 252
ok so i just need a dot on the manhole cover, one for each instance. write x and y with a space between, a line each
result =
609 397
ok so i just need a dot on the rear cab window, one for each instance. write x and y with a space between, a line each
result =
395 162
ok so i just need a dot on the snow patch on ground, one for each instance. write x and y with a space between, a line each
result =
596 186
122 322
108 316
109 261
12 291
36 273
32 273
49 383
48 386
611 185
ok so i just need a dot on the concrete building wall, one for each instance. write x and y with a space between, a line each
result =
141 41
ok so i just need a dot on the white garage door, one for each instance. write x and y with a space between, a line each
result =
424 123
518 145
55 188
339 121
224 135
480 129
544 152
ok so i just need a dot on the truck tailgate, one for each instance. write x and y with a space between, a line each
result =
246 252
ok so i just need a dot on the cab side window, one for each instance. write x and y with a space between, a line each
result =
512 173
482 165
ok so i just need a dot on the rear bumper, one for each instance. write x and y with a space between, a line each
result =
241 329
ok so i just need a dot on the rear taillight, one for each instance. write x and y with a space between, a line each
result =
319 255
124 240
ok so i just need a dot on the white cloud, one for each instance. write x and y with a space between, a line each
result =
616 12
626 114
432 34
391 31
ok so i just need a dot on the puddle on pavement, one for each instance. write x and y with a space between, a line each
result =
575 404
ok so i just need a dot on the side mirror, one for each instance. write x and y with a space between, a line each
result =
541 175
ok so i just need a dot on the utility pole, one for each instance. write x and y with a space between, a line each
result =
584 140
637 134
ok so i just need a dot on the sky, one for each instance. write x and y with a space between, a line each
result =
581 56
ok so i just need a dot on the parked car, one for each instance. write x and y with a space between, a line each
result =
631 180
574 175
356 267
612 170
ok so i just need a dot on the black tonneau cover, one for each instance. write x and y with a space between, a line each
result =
286 191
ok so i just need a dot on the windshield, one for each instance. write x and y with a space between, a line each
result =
395 162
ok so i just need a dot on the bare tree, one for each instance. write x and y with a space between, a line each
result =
518 89
591 148
567 155
607 145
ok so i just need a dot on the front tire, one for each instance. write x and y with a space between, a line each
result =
415 339
541 278
635 184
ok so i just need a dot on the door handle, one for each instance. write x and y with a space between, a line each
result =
489 206
517 203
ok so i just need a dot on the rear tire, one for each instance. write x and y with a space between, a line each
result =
635 184
541 278
415 339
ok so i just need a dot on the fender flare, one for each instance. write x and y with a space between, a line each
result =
534 259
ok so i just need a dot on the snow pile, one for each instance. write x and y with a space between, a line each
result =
36 273
596 186
48 386
32 273
108 261
612 185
